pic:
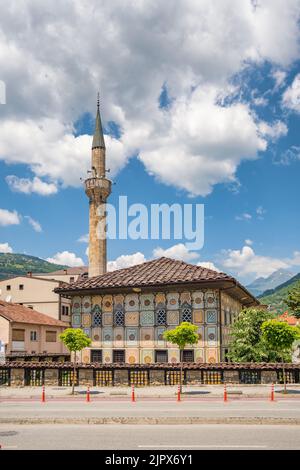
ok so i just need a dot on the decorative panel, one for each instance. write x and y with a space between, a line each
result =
199 355
86 356
97 300
76 320
211 316
96 336
132 318
132 336
198 316
119 300
159 331
147 302
185 297
173 355
173 317
96 316
211 355
132 302
107 335
211 336
198 299
211 299
86 304
160 298
147 337
173 301
132 356
107 319
200 332
87 331
86 319
118 337
107 303
76 305
107 356
147 356
147 318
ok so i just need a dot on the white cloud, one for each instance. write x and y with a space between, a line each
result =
125 261
291 96
208 265
279 77
244 216
66 258
288 156
84 238
274 131
179 252
34 224
260 212
27 186
199 45
5 248
9 218
245 262
248 242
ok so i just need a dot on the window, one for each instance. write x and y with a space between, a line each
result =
161 316
21 286
119 355
65 310
161 356
30 306
8 287
188 356
33 336
18 335
96 355
119 318
186 314
72 279
50 336
97 316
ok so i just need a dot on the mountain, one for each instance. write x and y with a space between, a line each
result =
275 297
14 264
261 284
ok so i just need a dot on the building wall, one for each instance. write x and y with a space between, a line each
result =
36 293
4 330
37 347
141 335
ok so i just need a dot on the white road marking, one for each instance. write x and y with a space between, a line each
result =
205 446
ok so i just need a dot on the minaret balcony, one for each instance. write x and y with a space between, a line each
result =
96 184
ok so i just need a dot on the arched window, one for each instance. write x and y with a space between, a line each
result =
186 313
119 318
97 316
161 316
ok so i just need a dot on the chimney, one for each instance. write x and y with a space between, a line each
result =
29 273
65 271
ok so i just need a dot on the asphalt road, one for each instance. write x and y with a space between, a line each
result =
256 409
181 437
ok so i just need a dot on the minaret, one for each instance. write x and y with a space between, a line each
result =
97 188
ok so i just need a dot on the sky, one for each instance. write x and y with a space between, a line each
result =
200 104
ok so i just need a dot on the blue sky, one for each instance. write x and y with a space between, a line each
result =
186 125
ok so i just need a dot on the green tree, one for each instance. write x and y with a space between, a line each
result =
246 343
279 337
293 300
183 334
75 340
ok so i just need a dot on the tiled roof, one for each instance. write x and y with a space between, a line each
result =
20 314
290 319
156 272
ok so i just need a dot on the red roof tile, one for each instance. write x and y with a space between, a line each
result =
20 314
156 272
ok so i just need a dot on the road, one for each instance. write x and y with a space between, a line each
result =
73 412
145 437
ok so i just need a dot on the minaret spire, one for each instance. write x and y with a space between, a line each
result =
98 139
97 188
